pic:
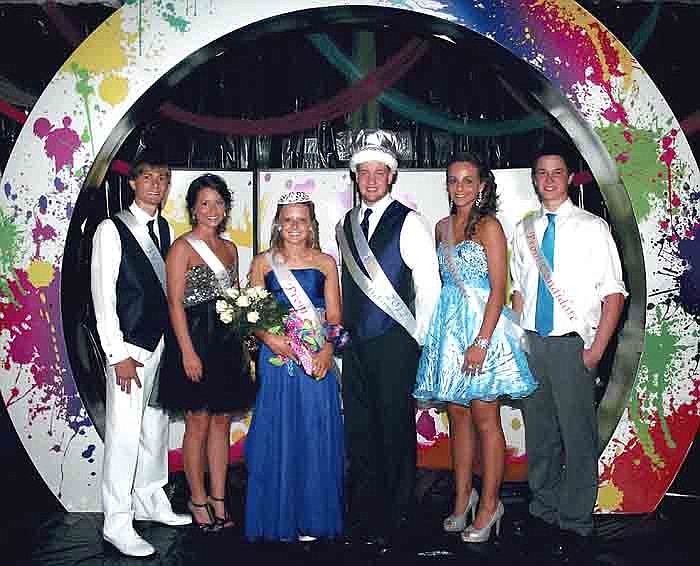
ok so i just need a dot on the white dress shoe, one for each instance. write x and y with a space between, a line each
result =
457 523
165 517
157 508
129 543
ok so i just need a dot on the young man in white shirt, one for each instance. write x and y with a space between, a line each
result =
380 363
127 283
569 324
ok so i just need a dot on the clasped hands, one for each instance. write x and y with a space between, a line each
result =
322 361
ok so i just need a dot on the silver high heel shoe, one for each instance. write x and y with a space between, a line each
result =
471 534
456 523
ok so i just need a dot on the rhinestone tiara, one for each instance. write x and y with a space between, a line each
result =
294 197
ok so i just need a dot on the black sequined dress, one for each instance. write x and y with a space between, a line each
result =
226 384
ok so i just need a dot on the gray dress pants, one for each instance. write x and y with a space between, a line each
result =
561 433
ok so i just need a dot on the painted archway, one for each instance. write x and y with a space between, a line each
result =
596 89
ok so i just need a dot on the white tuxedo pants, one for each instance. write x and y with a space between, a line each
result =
136 443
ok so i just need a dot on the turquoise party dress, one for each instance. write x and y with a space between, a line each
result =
454 326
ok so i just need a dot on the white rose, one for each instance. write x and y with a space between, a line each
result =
232 292
262 293
221 306
253 317
226 317
242 301
251 293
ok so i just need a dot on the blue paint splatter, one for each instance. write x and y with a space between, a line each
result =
43 204
87 453
689 280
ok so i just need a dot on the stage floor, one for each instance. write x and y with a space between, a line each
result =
56 538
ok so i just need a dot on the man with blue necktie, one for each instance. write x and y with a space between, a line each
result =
568 290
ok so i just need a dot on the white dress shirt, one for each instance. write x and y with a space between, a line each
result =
417 249
586 268
104 270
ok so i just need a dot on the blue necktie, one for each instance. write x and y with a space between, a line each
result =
365 223
544 316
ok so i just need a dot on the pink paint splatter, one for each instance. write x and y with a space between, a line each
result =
668 154
574 54
623 157
42 233
35 340
60 144
425 426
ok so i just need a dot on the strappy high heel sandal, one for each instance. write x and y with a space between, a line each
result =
209 527
225 522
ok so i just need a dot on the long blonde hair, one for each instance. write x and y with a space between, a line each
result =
313 241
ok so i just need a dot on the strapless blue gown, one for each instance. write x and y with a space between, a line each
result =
294 450
453 327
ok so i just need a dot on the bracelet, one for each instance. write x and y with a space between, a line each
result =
481 342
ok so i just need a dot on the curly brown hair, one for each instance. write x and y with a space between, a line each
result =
489 199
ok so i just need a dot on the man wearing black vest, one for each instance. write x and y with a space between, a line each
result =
127 282
380 363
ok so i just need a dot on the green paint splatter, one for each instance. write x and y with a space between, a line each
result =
178 23
660 349
640 168
84 90
643 433
10 236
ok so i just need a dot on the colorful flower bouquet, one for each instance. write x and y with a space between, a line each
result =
255 308
306 340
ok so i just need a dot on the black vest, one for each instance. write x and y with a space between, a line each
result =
361 316
142 306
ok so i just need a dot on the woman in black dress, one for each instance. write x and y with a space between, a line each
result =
205 374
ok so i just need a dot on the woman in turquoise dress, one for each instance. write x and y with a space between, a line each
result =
472 354
294 448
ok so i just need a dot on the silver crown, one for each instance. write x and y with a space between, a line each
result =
374 145
294 197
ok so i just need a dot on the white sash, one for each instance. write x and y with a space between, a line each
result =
295 292
545 270
209 257
377 286
140 233
509 326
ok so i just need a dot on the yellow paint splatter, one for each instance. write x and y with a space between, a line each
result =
516 424
104 50
40 274
610 498
113 89
243 236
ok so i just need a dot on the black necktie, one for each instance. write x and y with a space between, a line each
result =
365 223
152 234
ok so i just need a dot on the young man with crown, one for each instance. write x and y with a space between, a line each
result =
390 284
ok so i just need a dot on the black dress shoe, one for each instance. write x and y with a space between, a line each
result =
571 548
533 528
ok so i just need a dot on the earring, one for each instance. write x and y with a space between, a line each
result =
477 202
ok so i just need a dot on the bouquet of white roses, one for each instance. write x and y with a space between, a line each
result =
251 309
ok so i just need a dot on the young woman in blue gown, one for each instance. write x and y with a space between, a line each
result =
472 354
294 449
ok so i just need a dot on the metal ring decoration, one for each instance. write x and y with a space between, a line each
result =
590 83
